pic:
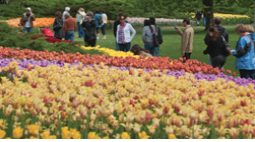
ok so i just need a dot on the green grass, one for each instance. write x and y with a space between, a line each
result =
172 41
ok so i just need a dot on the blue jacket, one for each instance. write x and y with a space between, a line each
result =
244 53
96 18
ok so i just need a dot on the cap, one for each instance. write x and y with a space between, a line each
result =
29 9
67 9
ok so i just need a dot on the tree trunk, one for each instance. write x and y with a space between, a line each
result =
209 13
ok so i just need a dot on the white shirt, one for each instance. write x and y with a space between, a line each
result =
27 25
127 29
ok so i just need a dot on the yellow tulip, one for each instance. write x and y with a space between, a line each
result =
143 135
125 135
33 130
17 133
2 134
171 136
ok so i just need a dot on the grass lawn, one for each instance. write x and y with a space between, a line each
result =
172 41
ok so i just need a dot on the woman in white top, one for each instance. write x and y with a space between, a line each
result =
104 24
123 37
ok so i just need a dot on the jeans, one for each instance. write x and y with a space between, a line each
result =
150 47
218 61
117 46
247 74
80 30
210 60
103 29
156 51
28 29
69 35
125 47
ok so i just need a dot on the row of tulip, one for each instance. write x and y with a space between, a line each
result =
39 22
31 64
63 102
192 66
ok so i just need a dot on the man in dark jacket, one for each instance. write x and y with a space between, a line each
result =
222 31
89 25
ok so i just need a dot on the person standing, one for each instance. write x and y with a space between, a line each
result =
204 18
104 24
158 33
97 20
217 22
58 26
89 25
244 53
115 25
123 34
187 39
218 48
80 17
69 27
67 9
27 20
147 36
198 16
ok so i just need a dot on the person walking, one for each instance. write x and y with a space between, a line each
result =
187 39
69 27
218 24
89 25
97 20
218 48
244 53
80 17
104 24
27 20
158 33
58 26
147 36
67 9
123 34
198 16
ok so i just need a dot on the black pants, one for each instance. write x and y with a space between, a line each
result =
187 56
91 43
247 74
218 61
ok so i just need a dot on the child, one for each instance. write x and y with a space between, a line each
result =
137 50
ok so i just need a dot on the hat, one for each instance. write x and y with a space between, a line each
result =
67 9
47 32
29 9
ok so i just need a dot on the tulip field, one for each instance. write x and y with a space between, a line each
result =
118 95
51 95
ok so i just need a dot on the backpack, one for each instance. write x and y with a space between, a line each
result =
159 37
155 39
100 21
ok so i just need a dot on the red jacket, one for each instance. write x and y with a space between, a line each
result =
69 25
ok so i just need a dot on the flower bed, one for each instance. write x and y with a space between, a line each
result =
39 22
192 66
63 102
